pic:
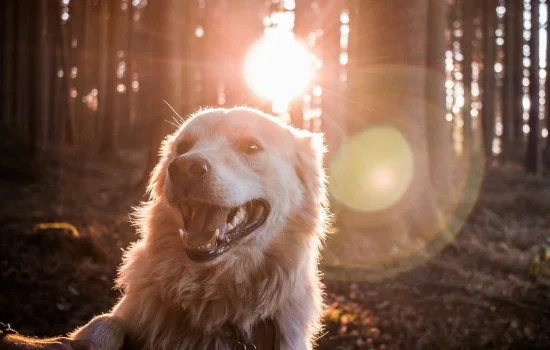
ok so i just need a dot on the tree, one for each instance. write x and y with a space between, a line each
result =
519 74
513 63
534 142
107 121
488 98
437 128
468 14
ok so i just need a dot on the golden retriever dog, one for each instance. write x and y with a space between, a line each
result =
229 241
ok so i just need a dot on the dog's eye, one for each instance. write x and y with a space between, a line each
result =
183 147
248 146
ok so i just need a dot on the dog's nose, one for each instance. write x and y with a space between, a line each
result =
187 171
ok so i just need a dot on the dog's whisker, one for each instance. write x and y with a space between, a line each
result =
172 108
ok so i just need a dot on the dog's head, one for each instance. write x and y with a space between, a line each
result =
232 176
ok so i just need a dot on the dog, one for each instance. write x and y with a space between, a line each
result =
229 241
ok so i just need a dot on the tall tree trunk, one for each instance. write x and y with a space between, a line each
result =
44 75
104 72
87 73
302 27
333 121
69 123
390 35
209 49
34 45
437 128
9 54
511 66
22 72
547 94
519 136
534 142
110 18
468 13
488 98
57 111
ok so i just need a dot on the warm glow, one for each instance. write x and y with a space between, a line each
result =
372 170
278 68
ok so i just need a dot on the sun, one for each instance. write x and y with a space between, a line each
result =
278 68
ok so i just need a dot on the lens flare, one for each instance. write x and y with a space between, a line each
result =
378 160
278 68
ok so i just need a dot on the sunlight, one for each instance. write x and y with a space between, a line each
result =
278 68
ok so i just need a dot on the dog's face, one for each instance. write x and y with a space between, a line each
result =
235 176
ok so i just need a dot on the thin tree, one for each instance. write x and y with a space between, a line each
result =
467 51
110 17
534 142
518 31
332 104
44 75
9 52
511 65
437 128
489 52
547 94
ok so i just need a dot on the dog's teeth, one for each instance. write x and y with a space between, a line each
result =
182 233
229 227
235 221
217 233
241 213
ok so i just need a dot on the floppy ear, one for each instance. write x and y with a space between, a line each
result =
157 179
310 150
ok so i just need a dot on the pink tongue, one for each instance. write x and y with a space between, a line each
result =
205 222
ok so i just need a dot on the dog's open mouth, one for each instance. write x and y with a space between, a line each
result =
210 230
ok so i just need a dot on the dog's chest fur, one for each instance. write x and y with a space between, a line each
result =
192 309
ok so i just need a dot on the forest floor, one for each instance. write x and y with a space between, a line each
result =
475 294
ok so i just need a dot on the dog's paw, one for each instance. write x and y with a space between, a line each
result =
106 332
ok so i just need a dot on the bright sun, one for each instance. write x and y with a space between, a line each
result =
278 68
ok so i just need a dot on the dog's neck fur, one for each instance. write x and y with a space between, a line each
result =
196 301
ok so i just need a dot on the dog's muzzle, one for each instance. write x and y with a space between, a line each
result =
209 229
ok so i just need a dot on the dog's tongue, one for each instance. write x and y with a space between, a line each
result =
206 220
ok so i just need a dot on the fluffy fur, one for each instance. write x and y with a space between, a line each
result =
171 302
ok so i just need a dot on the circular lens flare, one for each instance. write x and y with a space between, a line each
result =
278 68
372 170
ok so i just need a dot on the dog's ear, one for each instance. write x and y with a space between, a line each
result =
310 150
157 179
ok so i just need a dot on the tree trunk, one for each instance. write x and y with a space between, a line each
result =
9 55
467 51
488 98
44 75
22 72
519 136
547 95
333 121
107 91
437 128
511 66
534 142
68 125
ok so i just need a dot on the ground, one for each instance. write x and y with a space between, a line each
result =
475 294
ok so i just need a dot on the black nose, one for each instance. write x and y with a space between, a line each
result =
187 171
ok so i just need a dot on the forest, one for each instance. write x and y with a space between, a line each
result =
435 118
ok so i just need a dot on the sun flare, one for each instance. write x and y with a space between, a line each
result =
278 68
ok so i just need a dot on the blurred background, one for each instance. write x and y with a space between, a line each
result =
435 117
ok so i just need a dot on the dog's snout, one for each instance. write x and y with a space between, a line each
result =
187 171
